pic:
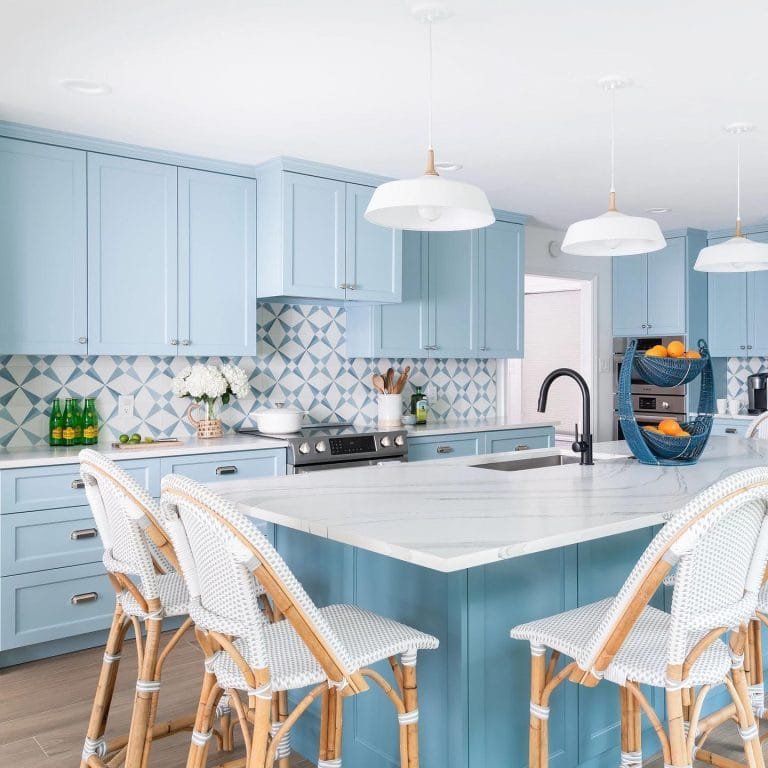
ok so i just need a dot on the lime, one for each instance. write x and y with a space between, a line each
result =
124 438
149 439
135 437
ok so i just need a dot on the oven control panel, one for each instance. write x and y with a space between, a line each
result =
352 444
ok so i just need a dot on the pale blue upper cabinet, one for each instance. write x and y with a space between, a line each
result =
217 264
373 253
666 280
453 295
630 295
43 253
757 319
313 239
727 314
132 257
500 282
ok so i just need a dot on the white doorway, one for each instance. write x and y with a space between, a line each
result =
559 333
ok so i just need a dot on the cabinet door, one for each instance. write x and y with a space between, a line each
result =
727 294
43 253
630 295
757 314
666 289
500 304
132 259
452 264
217 264
314 237
374 254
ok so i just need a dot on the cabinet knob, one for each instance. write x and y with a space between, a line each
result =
742 347
749 346
730 430
643 325
77 485
84 597
352 286
230 470
83 533
174 342
82 340
649 325
343 286
185 342
444 449
483 349
522 447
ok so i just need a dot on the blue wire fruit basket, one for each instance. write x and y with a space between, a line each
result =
653 447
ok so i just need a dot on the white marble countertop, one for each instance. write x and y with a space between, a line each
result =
449 515
11 458
456 426
738 416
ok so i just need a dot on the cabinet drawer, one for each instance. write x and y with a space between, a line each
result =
48 538
730 427
445 447
223 467
49 605
30 488
519 440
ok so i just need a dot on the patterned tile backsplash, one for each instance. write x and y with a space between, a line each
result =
302 361
737 371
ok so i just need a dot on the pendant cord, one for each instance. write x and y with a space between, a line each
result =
429 86
738 180
613 140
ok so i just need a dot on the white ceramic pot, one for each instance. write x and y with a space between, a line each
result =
279 420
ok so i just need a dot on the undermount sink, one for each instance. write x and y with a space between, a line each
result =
535 462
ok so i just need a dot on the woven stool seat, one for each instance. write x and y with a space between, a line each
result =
172 592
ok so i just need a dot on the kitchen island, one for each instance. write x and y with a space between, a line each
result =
466 552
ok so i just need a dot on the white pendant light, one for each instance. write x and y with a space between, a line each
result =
738 254
430 203
613 233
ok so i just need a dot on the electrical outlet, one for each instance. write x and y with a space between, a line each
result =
125 405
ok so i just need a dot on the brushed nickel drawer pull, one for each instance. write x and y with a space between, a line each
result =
77 485
226 470
730 430
522 447
445 449
84 597
83 533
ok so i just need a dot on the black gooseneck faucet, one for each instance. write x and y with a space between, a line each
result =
581 446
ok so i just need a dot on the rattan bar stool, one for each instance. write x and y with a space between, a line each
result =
223 557
719 543
142 568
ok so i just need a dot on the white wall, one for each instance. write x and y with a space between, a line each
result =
598 270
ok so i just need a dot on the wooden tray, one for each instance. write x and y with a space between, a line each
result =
148 446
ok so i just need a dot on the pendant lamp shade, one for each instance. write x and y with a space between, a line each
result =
735 255
613 234
429 203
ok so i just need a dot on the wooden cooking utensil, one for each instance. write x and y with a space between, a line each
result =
390 379
378 383
400 385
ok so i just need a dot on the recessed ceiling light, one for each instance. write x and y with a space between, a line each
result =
658 210
448 166
88 87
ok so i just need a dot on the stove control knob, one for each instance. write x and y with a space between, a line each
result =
399 440
321 447
665 405
304 448
386 441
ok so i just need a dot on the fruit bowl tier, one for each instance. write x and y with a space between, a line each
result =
669 371
680 447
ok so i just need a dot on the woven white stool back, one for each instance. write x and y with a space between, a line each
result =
719 541
121 509
220 551
758 427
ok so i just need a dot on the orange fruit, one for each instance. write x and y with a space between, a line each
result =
676 349
693 354
669 427
657 351
651 428
683 433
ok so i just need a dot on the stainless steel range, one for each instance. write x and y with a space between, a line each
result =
337 446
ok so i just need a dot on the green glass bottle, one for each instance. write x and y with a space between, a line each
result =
78 414
56 424
90 423
68 432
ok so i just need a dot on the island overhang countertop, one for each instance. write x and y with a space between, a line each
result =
449 515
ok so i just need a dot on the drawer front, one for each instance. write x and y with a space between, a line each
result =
30 488
226 467
500 442
48 538
730 427
446 447
49 605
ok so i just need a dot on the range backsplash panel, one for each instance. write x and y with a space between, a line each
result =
301 361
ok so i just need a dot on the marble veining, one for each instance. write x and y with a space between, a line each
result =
449 515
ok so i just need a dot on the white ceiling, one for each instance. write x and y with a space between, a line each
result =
343 82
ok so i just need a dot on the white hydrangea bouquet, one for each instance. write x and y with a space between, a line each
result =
207 384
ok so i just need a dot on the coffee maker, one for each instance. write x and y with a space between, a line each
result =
757 386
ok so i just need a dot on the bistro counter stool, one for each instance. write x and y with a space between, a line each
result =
719 543
758 427
222 555
142 567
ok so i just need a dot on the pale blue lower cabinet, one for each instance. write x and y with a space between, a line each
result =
55 596
730 427
421 448
474 690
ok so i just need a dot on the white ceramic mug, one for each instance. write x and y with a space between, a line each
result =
390 410
734 407
722 406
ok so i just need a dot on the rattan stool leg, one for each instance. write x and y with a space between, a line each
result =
411 702
746 719
631 746
755 672
676 729
284 751
198 747
260 730
537 746
102 700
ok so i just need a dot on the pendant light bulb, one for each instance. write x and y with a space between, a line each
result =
739 254
613 233
429 203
